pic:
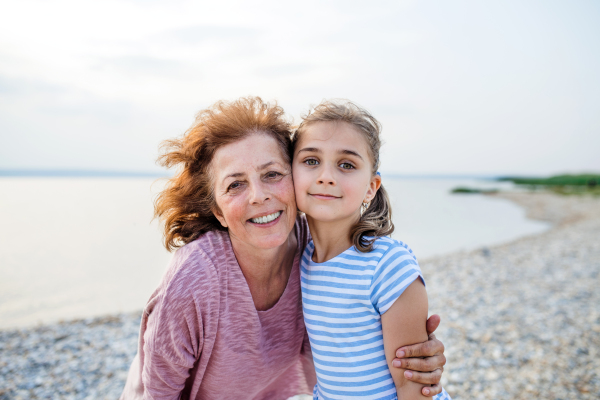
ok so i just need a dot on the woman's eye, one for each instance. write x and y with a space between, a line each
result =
273 175
234 186
346 166
311 161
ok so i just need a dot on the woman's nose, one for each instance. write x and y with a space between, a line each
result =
259 193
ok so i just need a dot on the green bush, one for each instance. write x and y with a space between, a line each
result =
590 180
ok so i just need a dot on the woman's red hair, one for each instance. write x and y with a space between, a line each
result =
186 205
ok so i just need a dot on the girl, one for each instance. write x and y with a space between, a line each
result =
363 293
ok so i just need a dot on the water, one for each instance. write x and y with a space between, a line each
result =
432 221
81 247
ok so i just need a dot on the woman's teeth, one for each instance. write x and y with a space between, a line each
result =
266 218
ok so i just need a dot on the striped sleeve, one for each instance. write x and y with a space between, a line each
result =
396 270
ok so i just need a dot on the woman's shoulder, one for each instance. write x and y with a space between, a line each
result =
302 232
197 264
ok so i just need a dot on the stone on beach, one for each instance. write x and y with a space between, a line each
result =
522 320
519 320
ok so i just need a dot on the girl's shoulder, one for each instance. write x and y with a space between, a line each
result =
387 247
396 269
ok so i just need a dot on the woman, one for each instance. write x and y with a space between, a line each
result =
226 321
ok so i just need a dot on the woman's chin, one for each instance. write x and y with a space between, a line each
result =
269 242
272 234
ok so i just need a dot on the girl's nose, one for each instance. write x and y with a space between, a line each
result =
326 176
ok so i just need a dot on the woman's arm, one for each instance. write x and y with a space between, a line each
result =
170 350
176 321
165 354
404 323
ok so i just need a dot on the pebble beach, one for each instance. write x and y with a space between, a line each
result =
520 320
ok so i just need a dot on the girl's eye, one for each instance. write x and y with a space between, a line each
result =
311 162
346 166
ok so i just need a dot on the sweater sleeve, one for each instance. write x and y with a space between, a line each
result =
177 326
395 271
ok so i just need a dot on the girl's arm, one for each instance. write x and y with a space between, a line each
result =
404 323
424 362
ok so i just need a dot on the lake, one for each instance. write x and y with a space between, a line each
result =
82 247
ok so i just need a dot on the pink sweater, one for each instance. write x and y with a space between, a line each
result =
202 338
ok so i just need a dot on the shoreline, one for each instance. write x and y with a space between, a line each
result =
519 320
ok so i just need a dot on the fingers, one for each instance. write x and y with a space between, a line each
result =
432 323
425 349
421 364
425 378
432 390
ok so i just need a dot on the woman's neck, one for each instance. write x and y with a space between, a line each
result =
330 238
266 270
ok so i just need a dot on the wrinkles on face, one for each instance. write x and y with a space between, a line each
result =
253 180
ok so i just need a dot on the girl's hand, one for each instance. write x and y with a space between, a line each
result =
425 361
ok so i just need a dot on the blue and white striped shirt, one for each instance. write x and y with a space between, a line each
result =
342 301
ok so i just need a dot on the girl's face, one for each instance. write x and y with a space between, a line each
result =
332 172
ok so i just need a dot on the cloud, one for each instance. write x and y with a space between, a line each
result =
197 34
136 65
457 86
284 70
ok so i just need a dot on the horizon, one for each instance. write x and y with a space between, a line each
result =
99 173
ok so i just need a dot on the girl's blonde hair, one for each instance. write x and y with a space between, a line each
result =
376 221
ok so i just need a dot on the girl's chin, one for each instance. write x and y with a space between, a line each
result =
331 218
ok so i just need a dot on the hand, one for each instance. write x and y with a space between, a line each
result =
424 362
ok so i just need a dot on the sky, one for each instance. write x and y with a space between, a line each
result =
460 87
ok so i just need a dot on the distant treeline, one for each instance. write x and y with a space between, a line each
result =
561 184
590 180
468 190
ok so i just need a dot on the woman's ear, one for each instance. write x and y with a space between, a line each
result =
373 188
219 216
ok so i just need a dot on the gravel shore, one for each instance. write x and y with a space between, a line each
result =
519 320
522 320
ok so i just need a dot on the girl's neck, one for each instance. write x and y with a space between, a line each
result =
330 238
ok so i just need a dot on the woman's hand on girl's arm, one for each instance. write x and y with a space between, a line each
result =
424 362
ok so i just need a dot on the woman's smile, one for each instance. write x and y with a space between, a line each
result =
266 220
254 192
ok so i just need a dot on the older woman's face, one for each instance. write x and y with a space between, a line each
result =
254 192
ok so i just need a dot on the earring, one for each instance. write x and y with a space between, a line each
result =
363 208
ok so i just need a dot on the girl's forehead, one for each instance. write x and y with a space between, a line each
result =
332 134
323 127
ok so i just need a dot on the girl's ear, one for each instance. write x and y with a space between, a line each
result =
373 188
219 216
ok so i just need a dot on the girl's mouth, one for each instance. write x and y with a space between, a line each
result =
324 196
